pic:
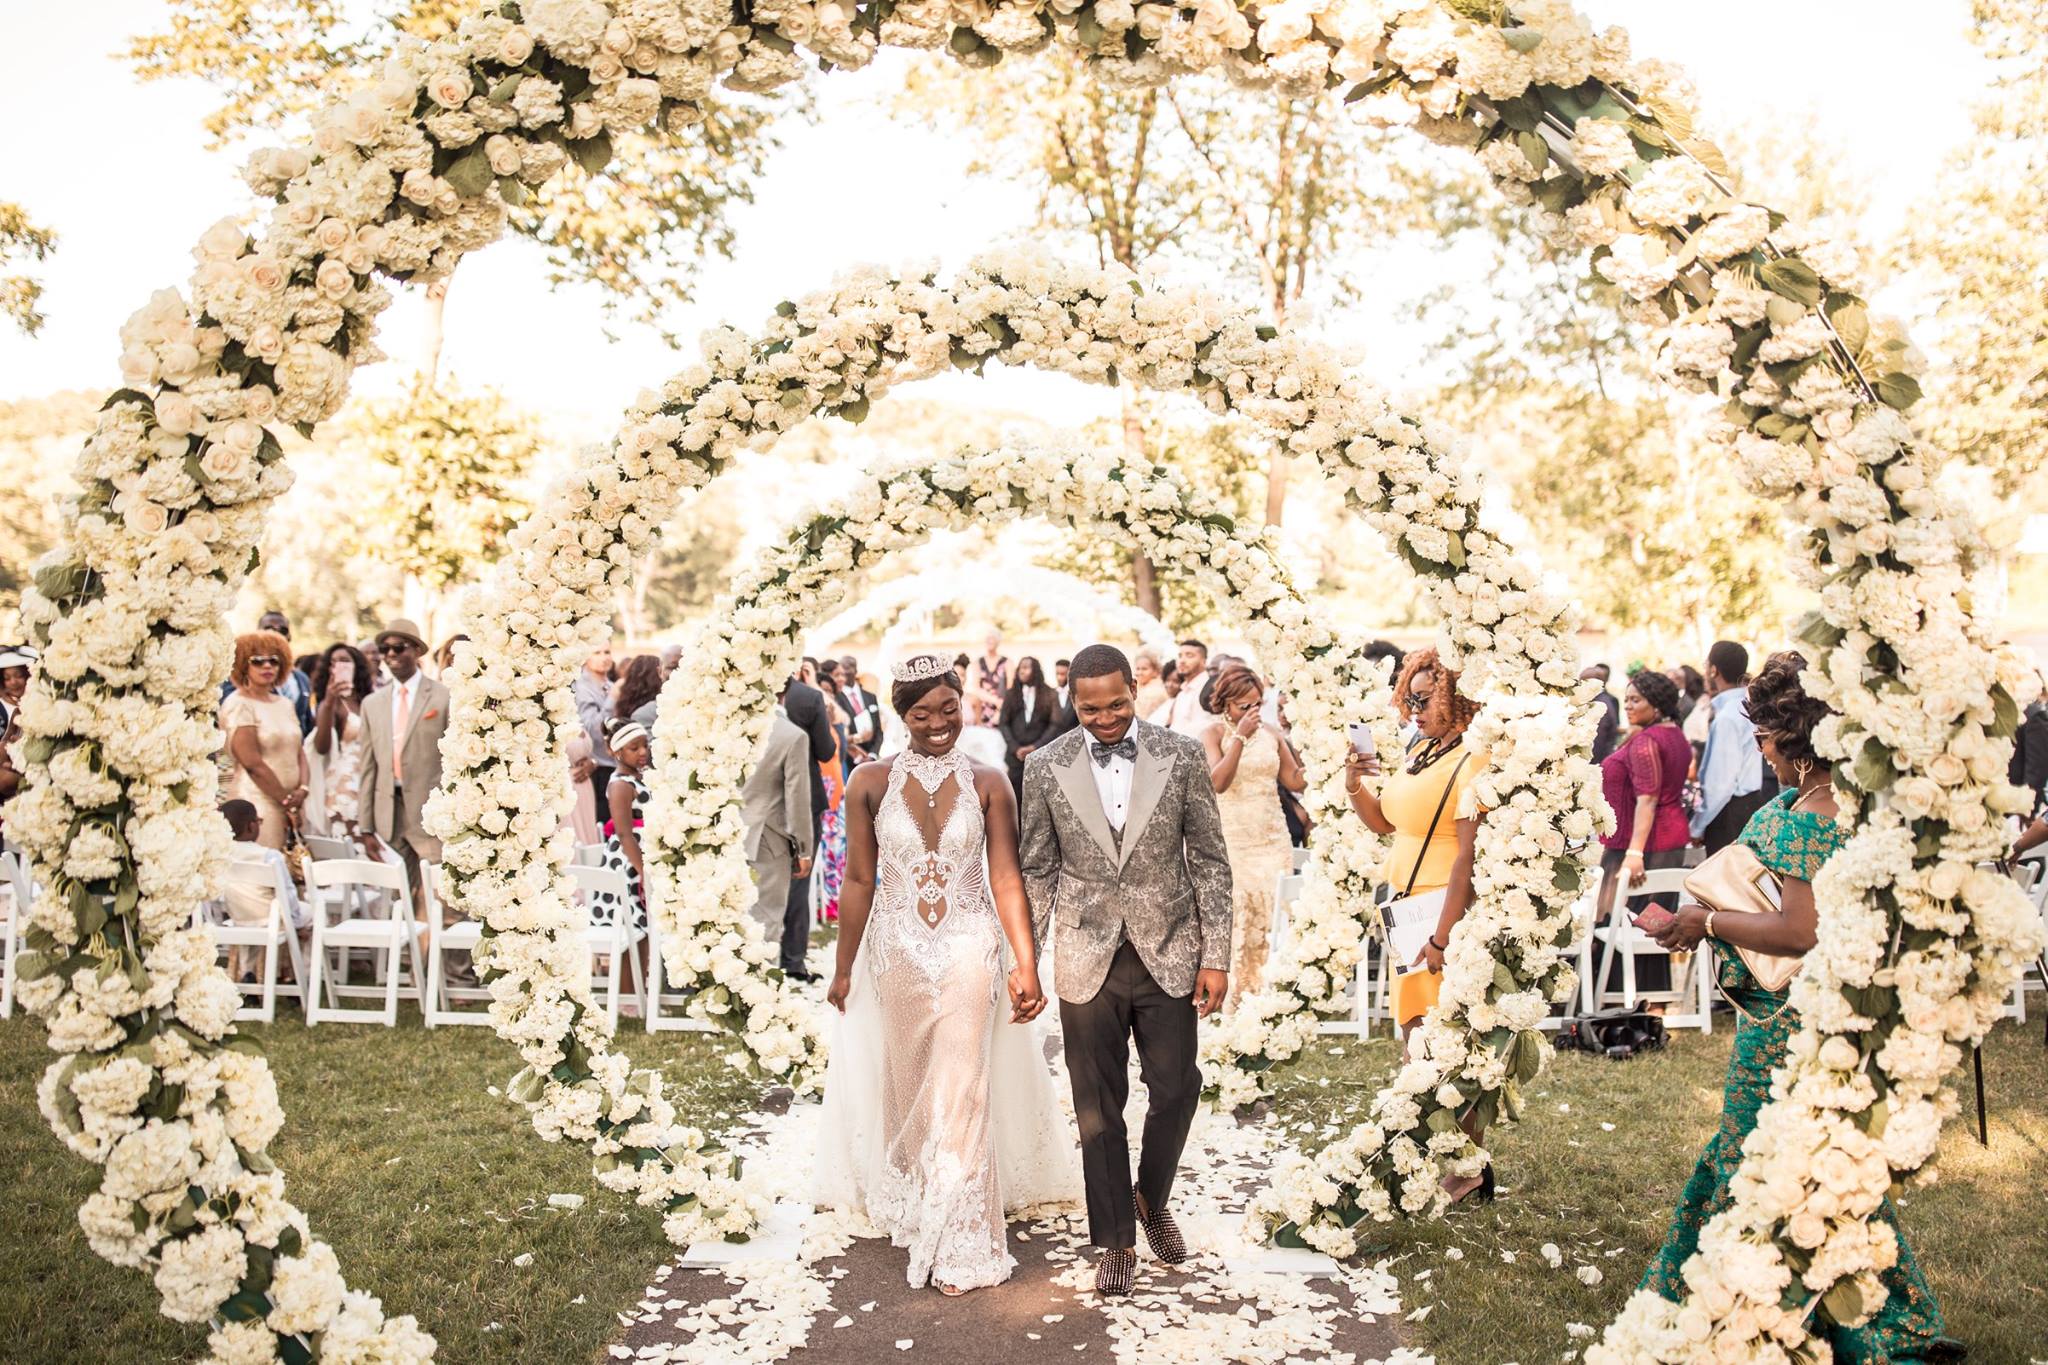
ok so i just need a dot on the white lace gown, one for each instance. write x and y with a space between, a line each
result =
939 1112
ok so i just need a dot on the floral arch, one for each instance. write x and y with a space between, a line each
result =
409 173
1073 600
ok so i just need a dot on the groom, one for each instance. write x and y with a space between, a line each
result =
1122 843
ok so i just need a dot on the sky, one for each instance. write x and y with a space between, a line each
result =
123 176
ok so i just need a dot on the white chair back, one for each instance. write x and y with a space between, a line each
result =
334 874
327 848
591 882
587 855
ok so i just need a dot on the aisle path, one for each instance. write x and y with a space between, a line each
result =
845 1302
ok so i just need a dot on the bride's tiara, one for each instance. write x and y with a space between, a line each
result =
919 667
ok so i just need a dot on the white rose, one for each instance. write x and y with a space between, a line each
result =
515 47
334 279
450 89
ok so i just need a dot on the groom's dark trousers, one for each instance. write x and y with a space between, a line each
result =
1098 1036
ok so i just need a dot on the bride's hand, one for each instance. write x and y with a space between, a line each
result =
1027 997
835 994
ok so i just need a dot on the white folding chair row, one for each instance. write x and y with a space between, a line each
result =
1621 940
18 891
615 936
615 940
275 931
1370 988
659 1001
438 1004
375 901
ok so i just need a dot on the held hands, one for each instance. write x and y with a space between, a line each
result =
1027 997
1686 931
1211 988
835 994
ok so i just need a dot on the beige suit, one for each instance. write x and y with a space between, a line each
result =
390 811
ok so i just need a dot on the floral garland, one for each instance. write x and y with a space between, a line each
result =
712 715
410 172
840 350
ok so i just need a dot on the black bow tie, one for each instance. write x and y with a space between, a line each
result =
1127 747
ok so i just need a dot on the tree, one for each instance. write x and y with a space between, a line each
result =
1984 235
446 468
1267 189
22 240
37 435
637 232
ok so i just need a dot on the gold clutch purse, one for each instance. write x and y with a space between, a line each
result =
1736 880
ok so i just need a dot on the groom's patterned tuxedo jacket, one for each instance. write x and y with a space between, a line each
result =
1164 884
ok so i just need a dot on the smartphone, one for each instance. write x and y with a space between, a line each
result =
1361 739
343 669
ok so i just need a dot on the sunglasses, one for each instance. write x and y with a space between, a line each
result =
266 662
1417 701
395 647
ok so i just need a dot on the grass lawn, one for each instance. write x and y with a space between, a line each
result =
1604 1198
429 1187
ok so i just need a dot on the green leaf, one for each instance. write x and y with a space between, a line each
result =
592 153
1289 1236
856 411
2005 713
1522 39
129 396
1783 312
1454 551
1898 390
1793 278
1852 322
1873 771
1534 149
1442 1120
471 174
504 90
1816 630
60 581
245 1306
1843 1303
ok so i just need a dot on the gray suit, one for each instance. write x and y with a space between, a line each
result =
1164 886
1140 911
775 804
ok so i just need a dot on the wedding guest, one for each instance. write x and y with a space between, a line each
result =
293 685
805 706
1188 715
1608 733
16 662
1030 713
991 677
638 691
1061 689
1151 690
866 709
1644 782
594 708
582 815
248 904
775 807
267 765
1733 782
402 728
10 776
2029 767
1692 689
1421 805
626 798
671 655
444 657
1247 758
1385 652
2032 837
334 753
1793 834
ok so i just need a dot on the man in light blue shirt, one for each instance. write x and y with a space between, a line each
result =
1733 780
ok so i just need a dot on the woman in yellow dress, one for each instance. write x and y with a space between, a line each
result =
1421 805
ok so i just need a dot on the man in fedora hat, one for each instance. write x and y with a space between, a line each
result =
402 728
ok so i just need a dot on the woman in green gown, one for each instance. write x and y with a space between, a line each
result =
1793 836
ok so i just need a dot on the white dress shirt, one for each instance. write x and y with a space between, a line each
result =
1030 703
1112 784
1188 715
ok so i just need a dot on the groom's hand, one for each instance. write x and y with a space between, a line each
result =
1210 989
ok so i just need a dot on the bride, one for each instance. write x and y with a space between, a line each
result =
939 1110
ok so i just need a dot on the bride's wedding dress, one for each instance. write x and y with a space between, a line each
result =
939 1112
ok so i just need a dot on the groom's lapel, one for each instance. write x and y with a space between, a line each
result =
1148 783
1072 770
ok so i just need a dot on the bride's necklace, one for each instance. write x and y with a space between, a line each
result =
930 770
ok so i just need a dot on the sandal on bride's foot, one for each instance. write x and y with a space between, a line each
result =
951 1291
1115 1267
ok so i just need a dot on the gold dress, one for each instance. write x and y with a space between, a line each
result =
279 740
1255 829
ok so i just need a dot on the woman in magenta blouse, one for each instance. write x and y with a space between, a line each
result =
1644 781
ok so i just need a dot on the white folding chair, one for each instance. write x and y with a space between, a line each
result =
1622 940
376 913
1369 988
1581 949
2032 875
462 936
611 933
19 891
1302 856
327 847
659 1000
587 855
1285 893
275 931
